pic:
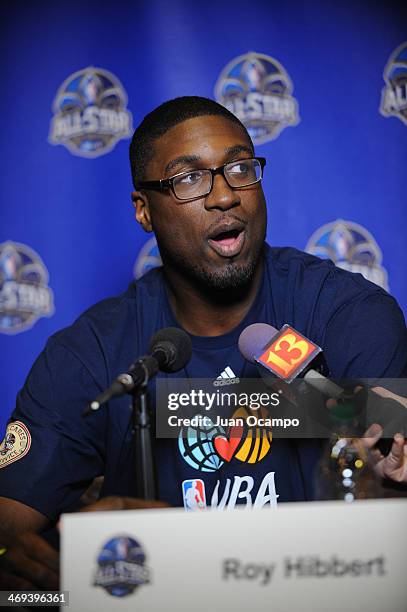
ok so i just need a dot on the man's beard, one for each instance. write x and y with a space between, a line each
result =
224 282
233 276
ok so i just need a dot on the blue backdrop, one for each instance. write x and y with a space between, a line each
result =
344 159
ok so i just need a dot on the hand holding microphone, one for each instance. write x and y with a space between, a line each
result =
263 345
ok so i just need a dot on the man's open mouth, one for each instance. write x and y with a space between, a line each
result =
227 242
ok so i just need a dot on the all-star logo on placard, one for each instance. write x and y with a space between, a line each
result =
16 443
121 566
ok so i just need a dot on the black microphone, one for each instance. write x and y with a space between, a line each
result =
257 338
170 350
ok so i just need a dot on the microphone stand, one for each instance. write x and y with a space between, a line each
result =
171 349
143 445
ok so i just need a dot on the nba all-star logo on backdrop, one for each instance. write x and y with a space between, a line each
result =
24 292
90 113
148 258
394 94
121 566
257 89
351 247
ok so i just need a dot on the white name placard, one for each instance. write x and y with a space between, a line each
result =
304 557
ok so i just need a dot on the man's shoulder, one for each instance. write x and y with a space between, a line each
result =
312 293
111 321
286 256
312 272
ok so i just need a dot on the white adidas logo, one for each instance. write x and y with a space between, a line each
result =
227 377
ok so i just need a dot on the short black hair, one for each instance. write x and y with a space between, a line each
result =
163 118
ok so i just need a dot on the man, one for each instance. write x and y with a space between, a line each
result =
198 187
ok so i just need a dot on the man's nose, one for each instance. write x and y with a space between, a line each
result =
222 196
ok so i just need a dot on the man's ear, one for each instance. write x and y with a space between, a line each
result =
142 207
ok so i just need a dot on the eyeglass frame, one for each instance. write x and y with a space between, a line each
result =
164 184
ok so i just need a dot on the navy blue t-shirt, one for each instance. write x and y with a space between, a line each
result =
358 325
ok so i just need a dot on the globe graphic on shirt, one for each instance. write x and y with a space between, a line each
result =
196 446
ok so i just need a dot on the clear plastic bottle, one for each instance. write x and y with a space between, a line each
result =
346 469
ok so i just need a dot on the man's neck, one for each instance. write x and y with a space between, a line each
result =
205 313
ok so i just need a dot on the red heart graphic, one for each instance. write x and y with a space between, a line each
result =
226 448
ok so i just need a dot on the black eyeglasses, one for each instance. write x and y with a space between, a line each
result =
198 183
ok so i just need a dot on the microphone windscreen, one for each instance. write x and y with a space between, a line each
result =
175 347
253 338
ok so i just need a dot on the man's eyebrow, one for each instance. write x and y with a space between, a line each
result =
230 151
188 159
178 161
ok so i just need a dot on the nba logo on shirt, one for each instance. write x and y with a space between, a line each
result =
193 492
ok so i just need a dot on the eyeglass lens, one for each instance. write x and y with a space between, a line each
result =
197 183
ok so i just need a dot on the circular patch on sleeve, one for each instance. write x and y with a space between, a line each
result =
16 443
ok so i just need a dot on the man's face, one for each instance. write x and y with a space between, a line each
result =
217 239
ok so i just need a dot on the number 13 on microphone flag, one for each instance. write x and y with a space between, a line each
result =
288 353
